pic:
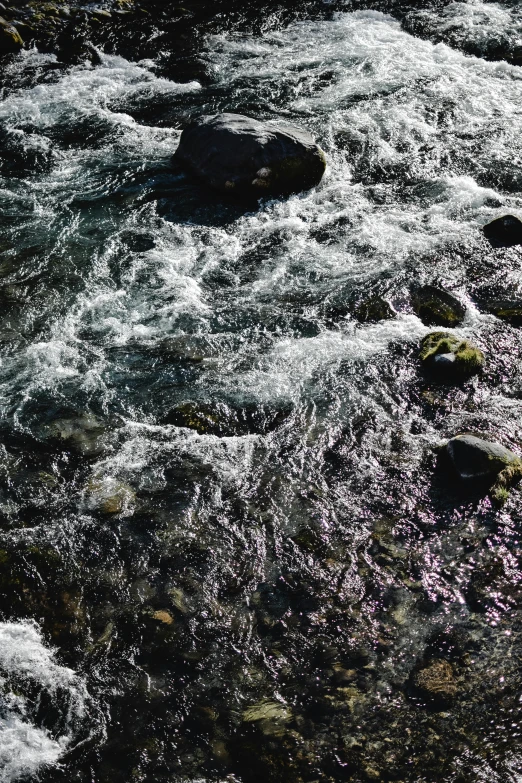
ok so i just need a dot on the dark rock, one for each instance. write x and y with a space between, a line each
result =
505 231
438 307
436 681
509 310
374 309
244 157
475 458
10 39
450 358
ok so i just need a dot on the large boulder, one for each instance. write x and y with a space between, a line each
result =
244 157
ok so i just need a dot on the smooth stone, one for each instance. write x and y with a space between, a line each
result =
475 458
438 307
241 156
450 357
505 231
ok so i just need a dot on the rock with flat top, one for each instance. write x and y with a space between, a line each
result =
243 157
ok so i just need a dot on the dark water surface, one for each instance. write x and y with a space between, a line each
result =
225 545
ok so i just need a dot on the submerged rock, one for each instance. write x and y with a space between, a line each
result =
509 310
438 307
449 357
270 716
244 157
82 435
109 495
505 231
436 681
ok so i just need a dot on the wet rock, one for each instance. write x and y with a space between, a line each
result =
436 681
509 310
109 496
475 458
10 39
450 358
241 156
270 716
438 307
82 435
373 310
504 231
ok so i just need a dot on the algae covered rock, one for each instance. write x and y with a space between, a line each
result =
437 307
509 310
241 156
10 39
270 716
436 681
449 357
374 309
505 231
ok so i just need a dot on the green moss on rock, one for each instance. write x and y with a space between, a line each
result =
447 354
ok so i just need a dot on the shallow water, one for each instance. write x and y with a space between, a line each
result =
219 496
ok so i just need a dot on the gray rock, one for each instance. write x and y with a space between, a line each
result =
475 458
243 157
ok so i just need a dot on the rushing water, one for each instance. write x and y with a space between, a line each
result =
225 542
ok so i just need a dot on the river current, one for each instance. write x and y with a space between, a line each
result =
225 542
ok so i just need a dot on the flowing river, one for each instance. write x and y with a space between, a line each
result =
226 546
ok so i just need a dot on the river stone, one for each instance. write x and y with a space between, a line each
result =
505 231
244 157
450 358
509 310
437 307
10 39
436 681
475 458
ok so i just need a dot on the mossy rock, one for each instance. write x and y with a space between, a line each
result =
449 357
506 310
10 39
373 310
437 307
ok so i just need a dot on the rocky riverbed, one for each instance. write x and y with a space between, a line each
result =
259 462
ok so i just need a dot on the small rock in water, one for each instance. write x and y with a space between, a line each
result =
109 496
82 435
509 310
241 156
450 358
373 310
436 681
505 231
438 307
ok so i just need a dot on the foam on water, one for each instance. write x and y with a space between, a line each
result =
24 658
